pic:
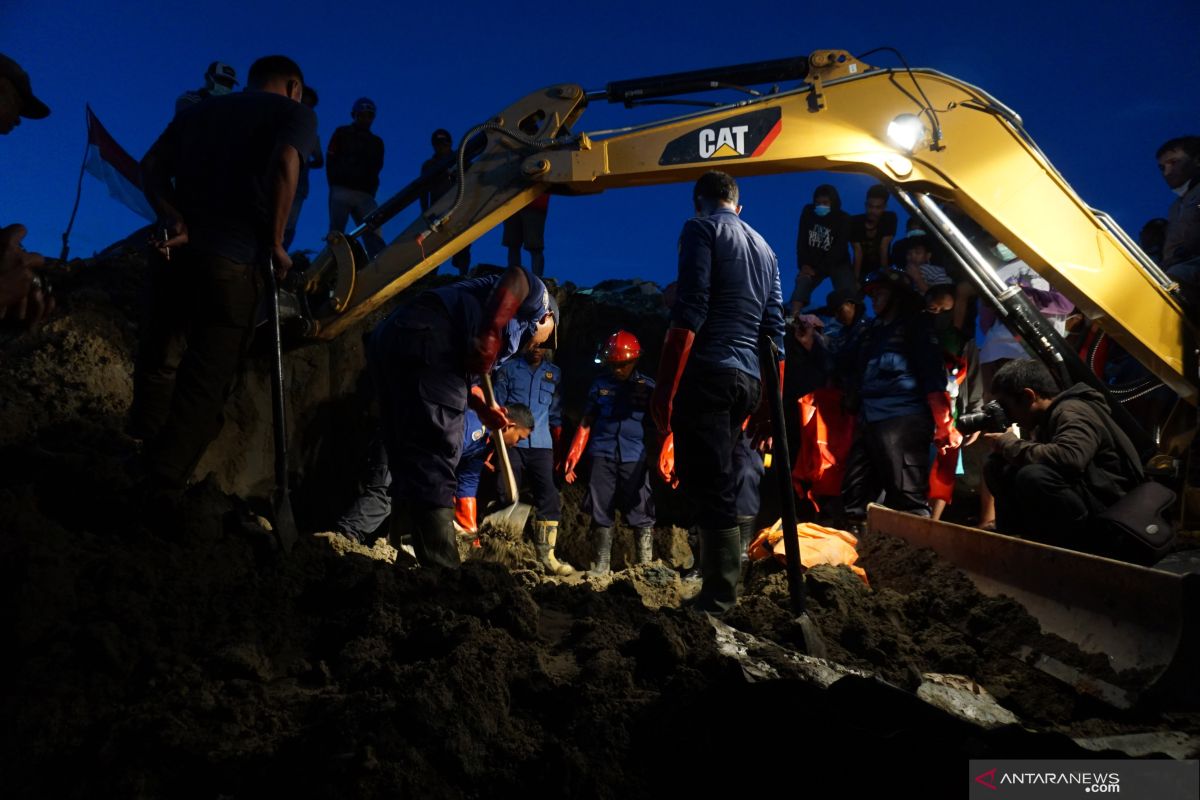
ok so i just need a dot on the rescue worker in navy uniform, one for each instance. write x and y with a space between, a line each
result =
424 358
709 379
477 446
896 381
614 424
534 381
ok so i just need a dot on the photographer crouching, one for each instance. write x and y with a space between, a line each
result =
1078 465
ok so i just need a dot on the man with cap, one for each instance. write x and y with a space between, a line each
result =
353 162
219 79
21 291
442 175
895 380
426 359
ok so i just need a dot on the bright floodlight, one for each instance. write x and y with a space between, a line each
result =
905 131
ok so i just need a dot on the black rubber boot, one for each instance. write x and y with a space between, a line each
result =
643 545
746 531
435 542
600 566
721 569
694 573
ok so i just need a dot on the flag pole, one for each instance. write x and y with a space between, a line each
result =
78 188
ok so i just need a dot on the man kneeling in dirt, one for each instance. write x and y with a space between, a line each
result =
1078 464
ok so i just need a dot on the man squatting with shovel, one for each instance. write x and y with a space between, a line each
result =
425 359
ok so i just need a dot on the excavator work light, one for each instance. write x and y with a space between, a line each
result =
906 131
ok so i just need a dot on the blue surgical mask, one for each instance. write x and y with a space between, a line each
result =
821 211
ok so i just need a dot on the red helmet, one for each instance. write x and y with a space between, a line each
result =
621 348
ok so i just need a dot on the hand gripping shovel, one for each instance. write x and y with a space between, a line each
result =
281 502
513 515
768 360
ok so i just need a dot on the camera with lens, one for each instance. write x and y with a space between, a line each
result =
990 420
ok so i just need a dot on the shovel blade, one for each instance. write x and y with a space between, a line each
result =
285 523
511 518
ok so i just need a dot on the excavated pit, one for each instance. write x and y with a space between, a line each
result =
192 660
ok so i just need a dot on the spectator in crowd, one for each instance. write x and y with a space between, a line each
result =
1153 237
445 179
527 229
222 178
871 234
219 79
22 293
822 247
897 384
1179 161
315 160
924 274
353 162
1000 345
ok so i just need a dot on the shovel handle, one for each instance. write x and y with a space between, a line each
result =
506 472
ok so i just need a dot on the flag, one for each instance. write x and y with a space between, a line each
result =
109 162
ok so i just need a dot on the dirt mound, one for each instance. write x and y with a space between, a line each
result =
184 657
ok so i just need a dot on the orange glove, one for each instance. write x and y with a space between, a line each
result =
945 435
666 462
676 349
494 417
577 446
503 303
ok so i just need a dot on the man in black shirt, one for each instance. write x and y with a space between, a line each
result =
353 163
822 247
222 178
871 234
443 183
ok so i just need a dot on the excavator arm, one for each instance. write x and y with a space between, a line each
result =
965 151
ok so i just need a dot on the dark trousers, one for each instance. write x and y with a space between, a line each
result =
710 406
538 464
1038 502
373 503
842 276
889 458
613 487
198 325
423 389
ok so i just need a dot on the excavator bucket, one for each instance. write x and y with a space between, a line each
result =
1141 618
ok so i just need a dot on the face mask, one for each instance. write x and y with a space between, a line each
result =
943 321
916 232
821 211
217 89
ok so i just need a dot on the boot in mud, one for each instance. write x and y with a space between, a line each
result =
545 538
643 545
721 567
601 564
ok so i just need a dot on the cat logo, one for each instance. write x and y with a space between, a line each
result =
744 136
723 142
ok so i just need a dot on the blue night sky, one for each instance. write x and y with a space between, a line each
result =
1100 85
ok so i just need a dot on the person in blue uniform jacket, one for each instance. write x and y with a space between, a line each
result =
709 378
424 359
896 380
534 381
613 424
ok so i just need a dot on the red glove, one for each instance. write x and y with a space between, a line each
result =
945 435
577 445
759 423
505 300
666 462
676 349
493 417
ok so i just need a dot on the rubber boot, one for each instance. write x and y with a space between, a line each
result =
643 545
435 540
721 568
600 566
545 537
746 530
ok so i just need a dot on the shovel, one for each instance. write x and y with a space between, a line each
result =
768 358
512 515
284 522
